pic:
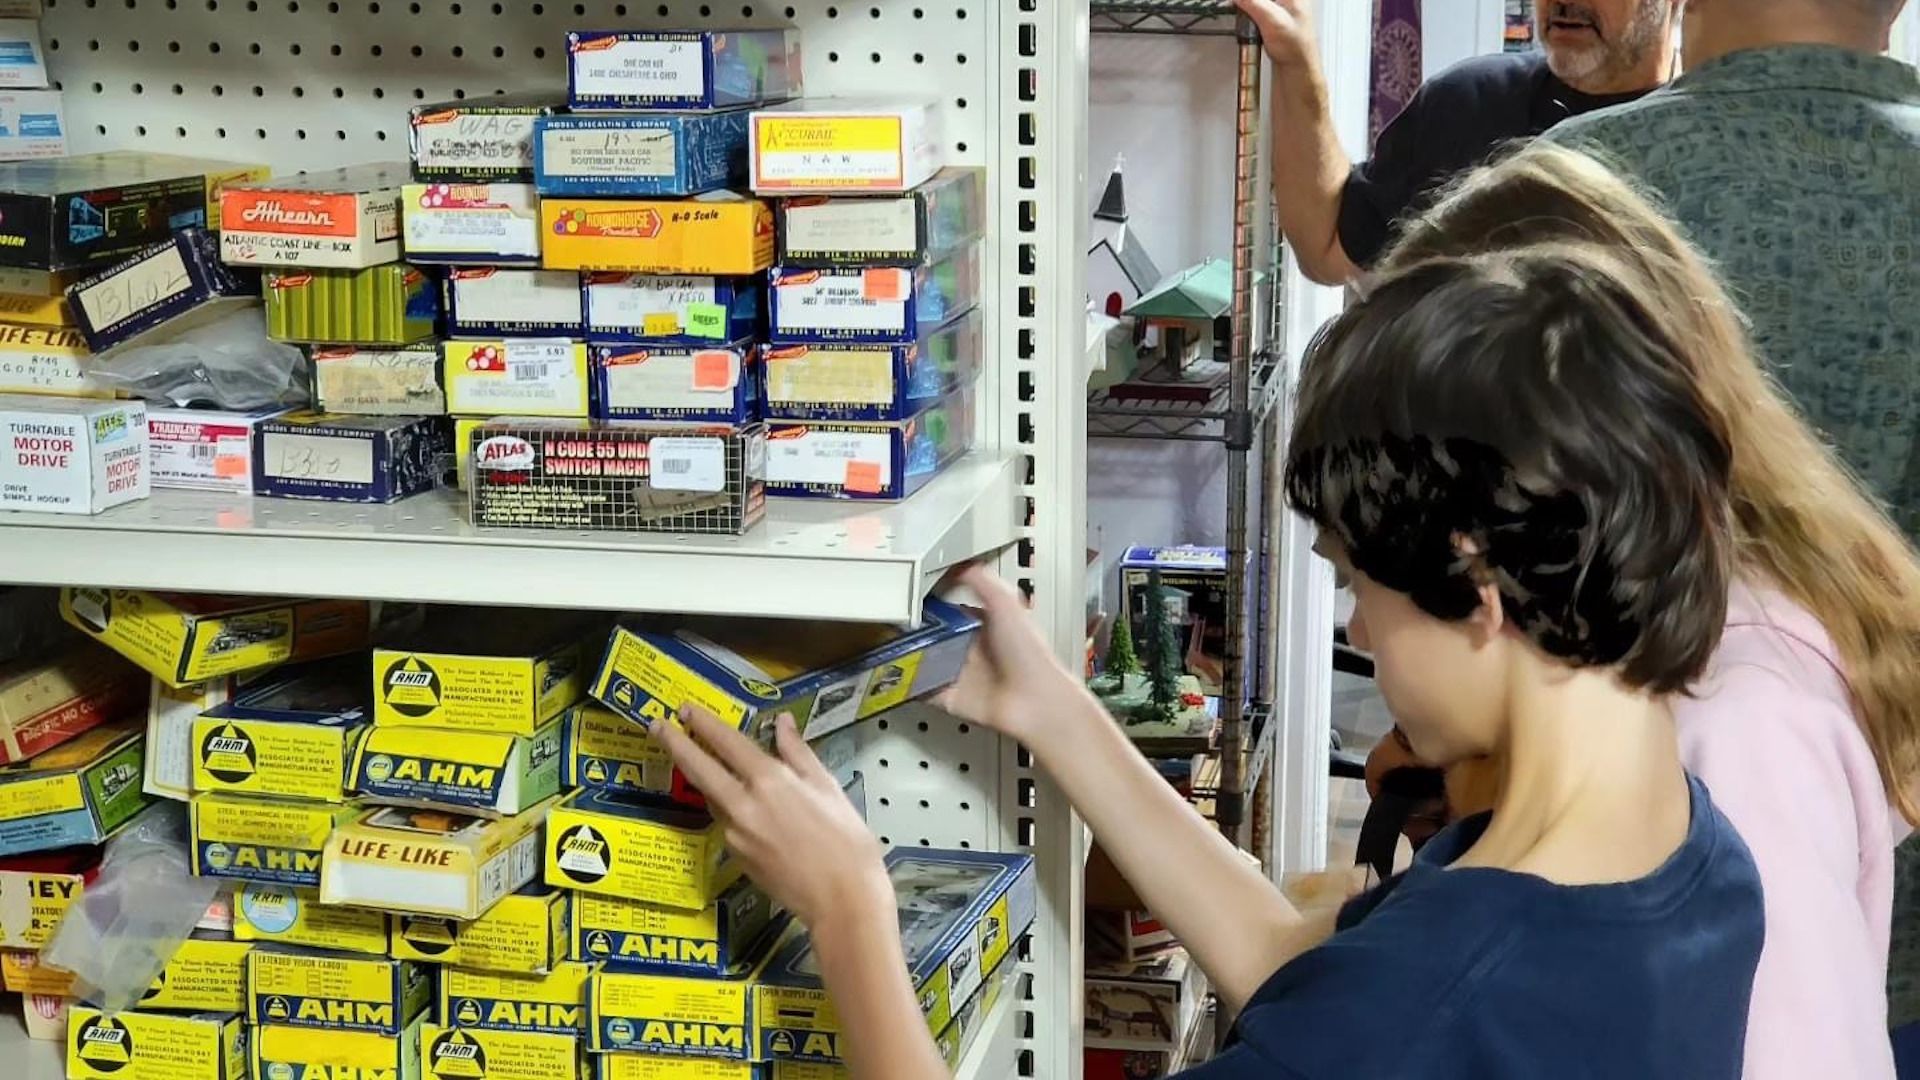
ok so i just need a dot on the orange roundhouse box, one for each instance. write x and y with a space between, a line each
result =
728 234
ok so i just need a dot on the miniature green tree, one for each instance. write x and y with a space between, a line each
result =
1163 652
1120 659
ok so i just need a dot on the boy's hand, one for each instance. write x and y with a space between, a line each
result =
1286 26
1012 683
786 819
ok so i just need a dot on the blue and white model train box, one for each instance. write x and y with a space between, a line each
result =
640 154
681 69
664 308
713 382
172 285
489 302
76 793
859 381
874 460
878 303
33 124
365 459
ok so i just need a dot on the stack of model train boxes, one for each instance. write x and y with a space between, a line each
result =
875 338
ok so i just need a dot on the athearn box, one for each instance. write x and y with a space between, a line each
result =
887 304
172 286
205 974
182 638
378 382
494 302
155 1046
748 672
335 990
80 212
880 460
480 139
640 154
339 458
908 229
673 308
845 146
34 360
726 938
517 376
717 233
281 1052
670 856
76 793
276 914
483 1054
484 773
276 841
714 382
44 701
290 738
68 456
204 449
509 673
871 382
341 219
672 1014
607 751
431 862
555 1002
470 223
681 69
394 304
524 934
37 890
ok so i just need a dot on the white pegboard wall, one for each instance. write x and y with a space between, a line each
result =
931 780
301 84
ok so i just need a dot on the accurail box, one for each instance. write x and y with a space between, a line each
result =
845 146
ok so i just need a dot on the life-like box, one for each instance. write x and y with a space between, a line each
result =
46 360
857 381
845 146
887 304
827 675
338 219
203 449
394 304
724 939
526 933
690 69
431 862
961 913
470 772
679 1015
1148 1004
454 1053
675 309
44 701
25 310
155 1046
640 154
516 376
912 228
172 286
494 302
283 915
1194 584
205 974
717 233
76 793
335 990
378 382
607 751
555 1002
33 124
183 638
340 458
669 856
274 841
71 456
37 890
624 477
842 459
22 63
509 674
81 212
305 1053
470 223
290 739
715 382
478 139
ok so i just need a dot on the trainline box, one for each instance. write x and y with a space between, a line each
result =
509 675
204 449
22 63
672 309
306 1053
33 124
335 990
183 638
37 890
668 856
76 793
392 305
71 456
640 154
205 974
470 772
887 304
516 376
285 915
478 140
339 458
155 1046
909 229
844 146
172 286
724 939
719 233
526 934
46 701
272 841
886 460
337 219
378 382
454 1053
431 862
470 223
713 383
81 212
494 302
45 360
607 751
872 382
555 1003
692 69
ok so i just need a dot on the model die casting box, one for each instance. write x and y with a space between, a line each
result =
284 741
607 751
483 139
183 638
68 456
555 1002
378 382
341 219
853 460
171 286
274 841
844 145
1194 582
526 933
282 1052
203 449
471 772
46 361
1146 1005
695 69
715 383
335 990
624 477
78 212
908 229
961 913
671 1014
878 304
672 857
726 938
76 793
871 382
493 302
747 672
517 376
339 458
640 154
470 223
720 233
509 674
33 124
155 1046
46 701
430 862
205 974
676 309
482 1054
37 890
278 914
395 304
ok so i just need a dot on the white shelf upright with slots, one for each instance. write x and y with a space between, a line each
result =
311 83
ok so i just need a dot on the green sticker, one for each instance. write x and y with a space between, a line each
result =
707 320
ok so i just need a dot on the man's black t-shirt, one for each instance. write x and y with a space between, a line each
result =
1456 121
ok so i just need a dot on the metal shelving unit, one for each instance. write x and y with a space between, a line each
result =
1206 18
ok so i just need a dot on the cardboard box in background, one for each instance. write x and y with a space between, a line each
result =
204 449
46 701
182 638
72 456
378 382
33 124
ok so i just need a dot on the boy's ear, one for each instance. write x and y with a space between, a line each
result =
1491 616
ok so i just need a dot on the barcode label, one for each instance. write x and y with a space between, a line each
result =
204 452
676 466
525 372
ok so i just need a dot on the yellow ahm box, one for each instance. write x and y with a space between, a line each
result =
205 974
526 933
555 1002
457 1053
728 937
671 1014
302 1053
291 737
280 915
475 676
275 841
673 857
335 990
154 1046
183 639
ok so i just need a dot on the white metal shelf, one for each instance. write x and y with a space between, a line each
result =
818 559
43 1060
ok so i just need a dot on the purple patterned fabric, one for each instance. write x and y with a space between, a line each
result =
1396 61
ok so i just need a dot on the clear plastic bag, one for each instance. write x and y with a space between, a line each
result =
228 363
133 917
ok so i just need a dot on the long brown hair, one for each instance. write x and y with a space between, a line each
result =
1804 523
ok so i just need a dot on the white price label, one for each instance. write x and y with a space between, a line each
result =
319 457
625 304
641 68
864 225
839 302
537 361
822 457
687 464
135 289
618 152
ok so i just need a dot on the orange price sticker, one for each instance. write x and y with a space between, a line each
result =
229 465
863 477
713 370
884 284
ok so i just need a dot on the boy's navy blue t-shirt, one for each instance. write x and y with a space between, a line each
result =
1482 974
